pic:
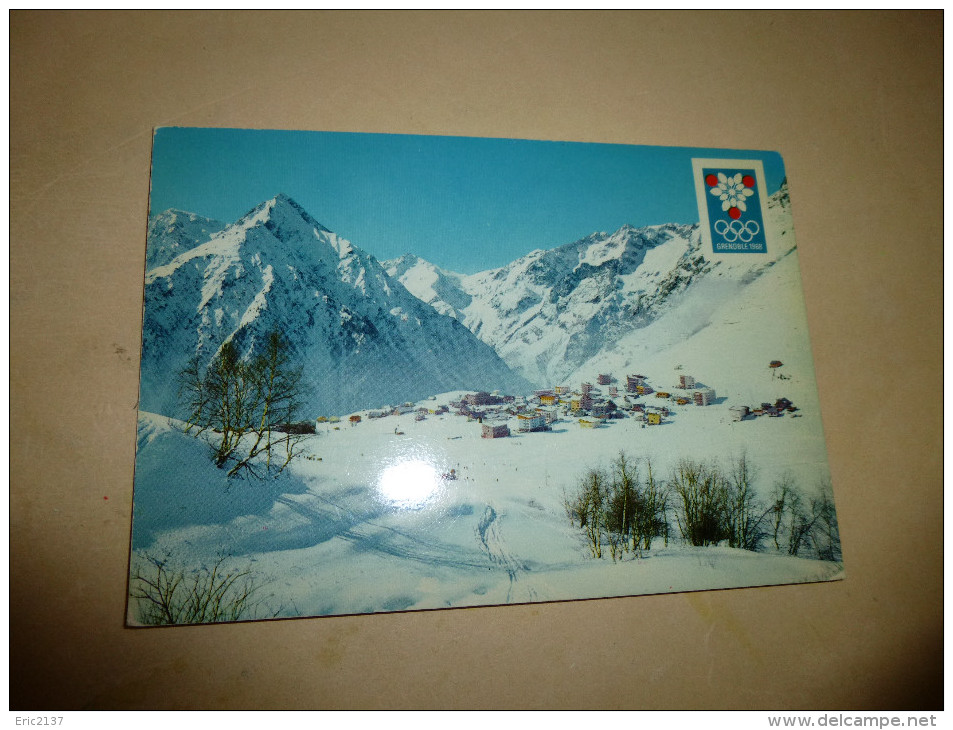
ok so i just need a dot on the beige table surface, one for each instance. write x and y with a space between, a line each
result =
852 101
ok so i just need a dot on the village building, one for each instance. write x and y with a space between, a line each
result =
581 403
686 382
653 418
561 390
604 379
531 422
495 431
632 382
547 400
738 413
482 399
704 397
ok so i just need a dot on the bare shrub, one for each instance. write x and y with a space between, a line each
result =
166 594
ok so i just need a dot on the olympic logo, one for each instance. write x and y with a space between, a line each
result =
736 230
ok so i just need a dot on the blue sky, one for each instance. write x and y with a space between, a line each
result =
466 204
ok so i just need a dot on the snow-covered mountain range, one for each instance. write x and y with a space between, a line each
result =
369 333
550 313
362 339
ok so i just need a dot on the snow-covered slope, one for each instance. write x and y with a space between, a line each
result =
361 337
549 312
173 232
441 289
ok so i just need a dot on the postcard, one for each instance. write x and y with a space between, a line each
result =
398 373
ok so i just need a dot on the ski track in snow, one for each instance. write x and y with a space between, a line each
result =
373 536
490 533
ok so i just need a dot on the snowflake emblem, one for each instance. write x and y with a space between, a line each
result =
732 192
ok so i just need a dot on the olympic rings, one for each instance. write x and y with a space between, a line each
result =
737 231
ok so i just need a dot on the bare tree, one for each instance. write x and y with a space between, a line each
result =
248 404
800 523
744 514
826 534
780 506
699 489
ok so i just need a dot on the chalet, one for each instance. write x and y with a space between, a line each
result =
495 431
586 388
531 422
682 401
613 391
662 394
686 382
604 379
588 423
599 410
354 420
561 390
547 400
704 397
653 418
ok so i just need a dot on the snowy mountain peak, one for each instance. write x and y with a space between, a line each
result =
362 338
281 215
551 311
